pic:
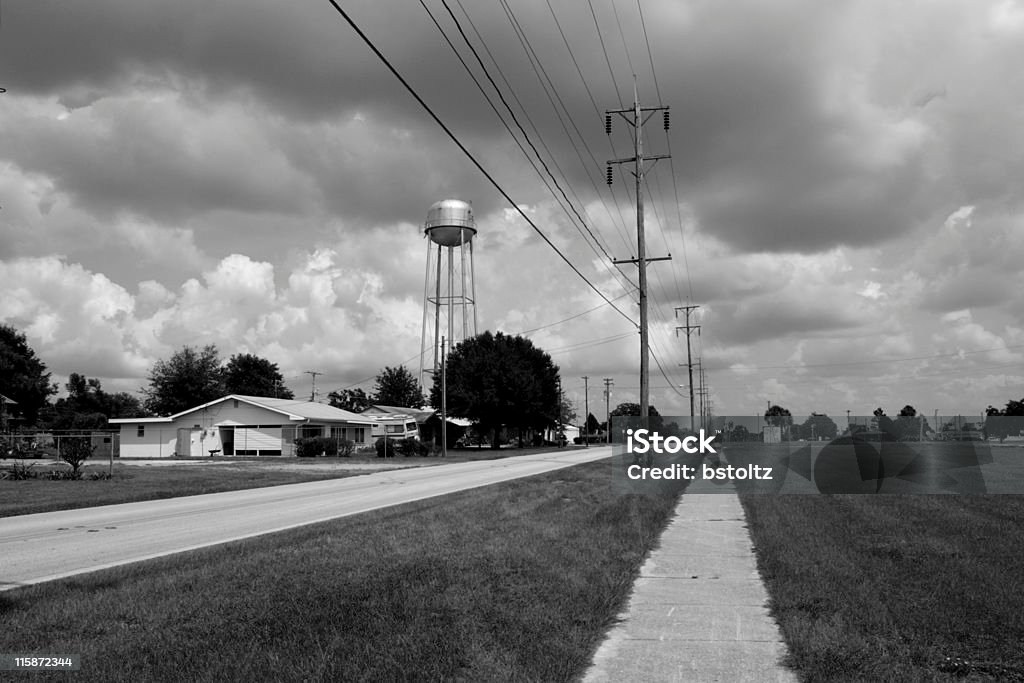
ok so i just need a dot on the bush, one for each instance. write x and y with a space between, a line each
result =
412 446
75 451
20 472
346 447
385 448
314 446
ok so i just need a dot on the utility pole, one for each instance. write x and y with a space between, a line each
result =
559 425
444 404
608 382
312 394
635 117
586 407
689 358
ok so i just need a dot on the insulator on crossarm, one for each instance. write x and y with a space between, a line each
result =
608 175
665 117
608 124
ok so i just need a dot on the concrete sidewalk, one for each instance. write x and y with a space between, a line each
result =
698 611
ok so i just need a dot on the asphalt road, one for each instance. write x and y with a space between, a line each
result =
53 545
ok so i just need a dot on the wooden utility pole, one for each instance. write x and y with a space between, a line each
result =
444 404
634 116
607 411
689 358
586 417
312 394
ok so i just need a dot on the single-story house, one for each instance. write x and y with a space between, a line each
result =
239 425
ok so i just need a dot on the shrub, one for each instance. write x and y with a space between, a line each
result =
346 447
20 471
385 447
75 451
314 446
412 446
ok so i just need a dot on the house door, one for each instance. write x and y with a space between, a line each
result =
183 444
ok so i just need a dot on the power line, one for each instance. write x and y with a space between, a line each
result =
608 259
469 155
572 317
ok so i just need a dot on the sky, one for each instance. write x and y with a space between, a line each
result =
843 197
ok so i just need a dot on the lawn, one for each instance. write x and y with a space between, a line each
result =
185 477
516 581
895 588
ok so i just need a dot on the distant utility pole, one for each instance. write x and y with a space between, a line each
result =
586 407
689 358
312 394
637 119
608 382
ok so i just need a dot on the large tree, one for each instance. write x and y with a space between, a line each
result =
498 380
397 387
250 375
23 377
352 400
818 426
87 406
190 377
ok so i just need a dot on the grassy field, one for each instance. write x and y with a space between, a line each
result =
895 588
517 581
133 482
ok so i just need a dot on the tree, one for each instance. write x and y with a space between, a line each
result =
250 375
818 426
632 410
566 412
87 406
778 416
352 400
190 377
397 387
593 426
498 380
910 426
23 377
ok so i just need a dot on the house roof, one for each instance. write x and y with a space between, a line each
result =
7 401
293 409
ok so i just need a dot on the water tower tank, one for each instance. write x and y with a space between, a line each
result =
450 223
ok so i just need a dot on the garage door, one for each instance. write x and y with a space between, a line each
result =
259 440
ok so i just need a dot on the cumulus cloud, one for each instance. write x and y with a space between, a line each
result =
250 175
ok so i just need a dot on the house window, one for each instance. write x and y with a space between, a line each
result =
140 431
394 429
358 434
236 403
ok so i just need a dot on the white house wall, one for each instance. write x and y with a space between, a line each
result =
158 441
204 431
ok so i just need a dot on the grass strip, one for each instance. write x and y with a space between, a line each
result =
131 482
887 588
516 581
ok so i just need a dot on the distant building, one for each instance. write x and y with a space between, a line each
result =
239 425
772 433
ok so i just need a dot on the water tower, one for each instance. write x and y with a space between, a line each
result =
449 293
